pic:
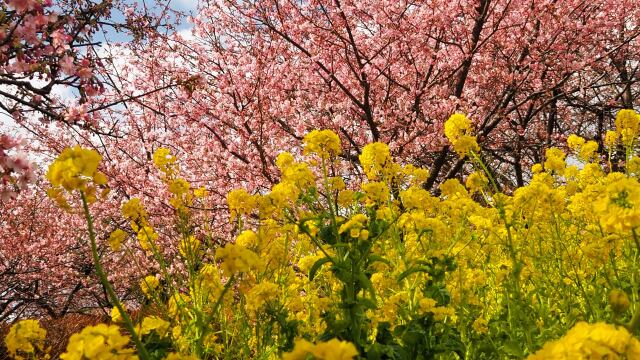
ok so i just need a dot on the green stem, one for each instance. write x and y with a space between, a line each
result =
142 352
486 171
635 320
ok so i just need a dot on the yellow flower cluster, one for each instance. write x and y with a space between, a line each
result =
324 143
237 259
627 123
584 149
591 341
439 313
134 210
611 139
476 181
376 191
333 349
619 205
376 160
153 324
555 160
189 247
116 238
163 160
116 316
99 342
356 226
260 294
146 236
470 266
149 284
183 195
75 168
240 203
25 339
458 130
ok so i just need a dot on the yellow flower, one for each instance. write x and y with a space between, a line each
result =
611 139
299 175
178 356
345 197
333 349
376 191
116 238
149 284
240 202
575 142
153 323
95 342
284 160
336 183
237 258
176 303
375 160
200 192
428 305
588 150
116 316
133 210
189 247
179 186
324 143
465 144
355 226
283 194
627 123
208 284
301 350
555 160
476 181
260 294
163 159
591 341
147 236
25 338
536 168
415 198
74 168
418 175
456 126
453 188
480 325
247 239
619 205
458 130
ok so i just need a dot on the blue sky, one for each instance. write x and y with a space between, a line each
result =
186 6
111 36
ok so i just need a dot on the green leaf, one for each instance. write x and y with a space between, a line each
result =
512 347
316 266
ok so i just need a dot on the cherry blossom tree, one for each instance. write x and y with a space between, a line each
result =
49 49
255 76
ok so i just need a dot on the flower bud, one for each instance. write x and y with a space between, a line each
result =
619 301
